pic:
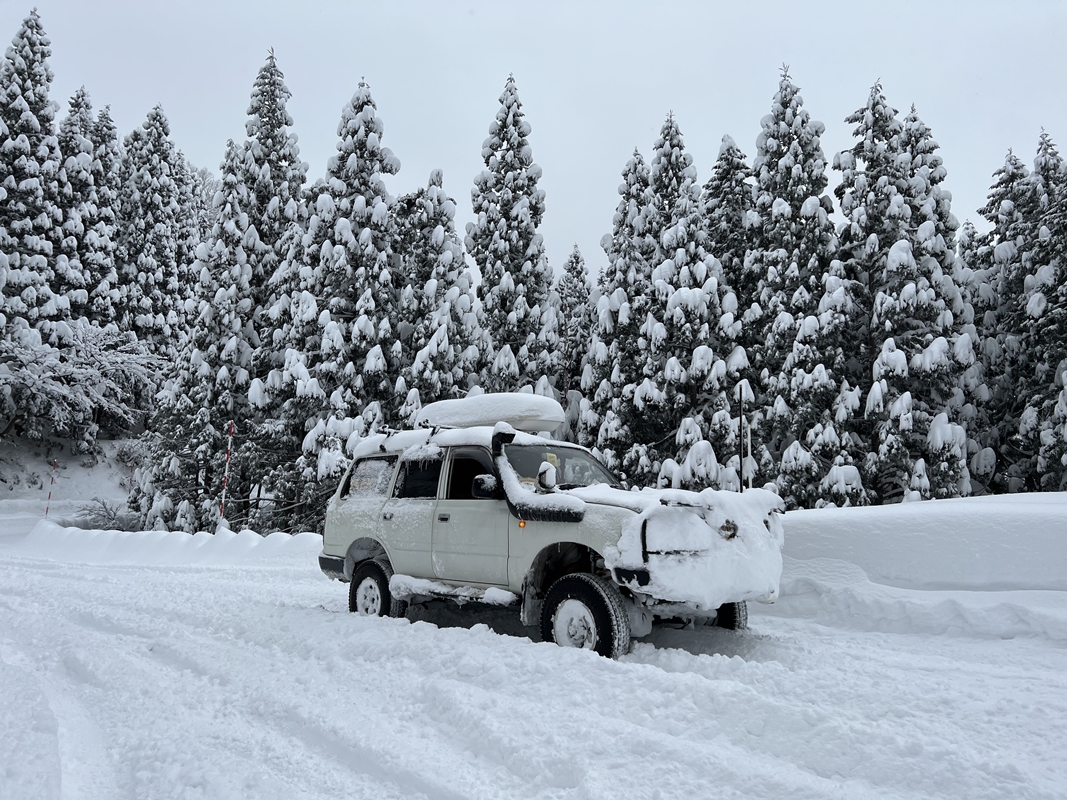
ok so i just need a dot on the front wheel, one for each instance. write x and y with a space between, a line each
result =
732 616
586 611
368 593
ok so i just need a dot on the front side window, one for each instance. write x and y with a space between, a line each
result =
467 463
369 478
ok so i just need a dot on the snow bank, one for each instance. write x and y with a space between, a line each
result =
170 548
982 543
839 594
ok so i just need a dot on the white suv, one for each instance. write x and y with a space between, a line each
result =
472 505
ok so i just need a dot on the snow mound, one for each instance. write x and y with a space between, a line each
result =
524 412
1016 542
165 548
839 594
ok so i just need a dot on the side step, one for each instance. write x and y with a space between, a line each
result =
405 587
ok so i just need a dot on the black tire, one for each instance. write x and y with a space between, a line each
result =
368 593
732 616
598 618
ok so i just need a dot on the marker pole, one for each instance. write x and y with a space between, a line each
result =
226 473
48 503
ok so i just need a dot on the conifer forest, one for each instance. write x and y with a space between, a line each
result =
848 346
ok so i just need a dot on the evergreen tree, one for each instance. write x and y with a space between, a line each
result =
625 294
503 241
1007 256
276 176
684 331
105 298
573 290
439 323
153 236
192 424
36 279
794 244
979 301
727 214
87 241
336 297
1042 361
898 240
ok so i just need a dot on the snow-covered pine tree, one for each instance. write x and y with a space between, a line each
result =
938 395
659 405
36 282
575 321
727 202
897 243
979 300
87 235
152 236
516 280
625 294
794 243
331 316
1038 442
276 176
190 429
439 324
107 181
1006 254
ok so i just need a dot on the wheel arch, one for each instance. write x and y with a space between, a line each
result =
363 549
550 564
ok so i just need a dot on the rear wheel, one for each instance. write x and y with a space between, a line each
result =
368 593
586 611
732 616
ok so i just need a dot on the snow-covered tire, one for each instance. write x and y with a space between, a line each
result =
732 616
368 593
583 610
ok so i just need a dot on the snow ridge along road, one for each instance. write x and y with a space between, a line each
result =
162 665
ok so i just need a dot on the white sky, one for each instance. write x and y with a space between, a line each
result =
596 79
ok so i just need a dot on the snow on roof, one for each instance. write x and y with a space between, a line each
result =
524 412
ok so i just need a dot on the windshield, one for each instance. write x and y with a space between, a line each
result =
574 467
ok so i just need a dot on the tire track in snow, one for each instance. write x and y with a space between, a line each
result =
806 712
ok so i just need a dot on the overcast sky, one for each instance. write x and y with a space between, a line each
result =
596 79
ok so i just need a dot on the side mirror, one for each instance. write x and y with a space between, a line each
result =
484 487
546 476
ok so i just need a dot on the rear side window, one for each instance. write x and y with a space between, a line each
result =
370 478
418 479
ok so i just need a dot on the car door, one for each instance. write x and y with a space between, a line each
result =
406 517
470 535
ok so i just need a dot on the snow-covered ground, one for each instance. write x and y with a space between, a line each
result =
162 665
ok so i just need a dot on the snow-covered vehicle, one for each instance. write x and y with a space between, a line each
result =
474 505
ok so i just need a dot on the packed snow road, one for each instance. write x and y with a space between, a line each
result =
162 665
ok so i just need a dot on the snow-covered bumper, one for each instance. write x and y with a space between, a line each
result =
698 551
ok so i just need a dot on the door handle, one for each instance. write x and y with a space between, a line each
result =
443 517
387 515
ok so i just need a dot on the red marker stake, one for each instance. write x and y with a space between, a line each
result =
48 503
